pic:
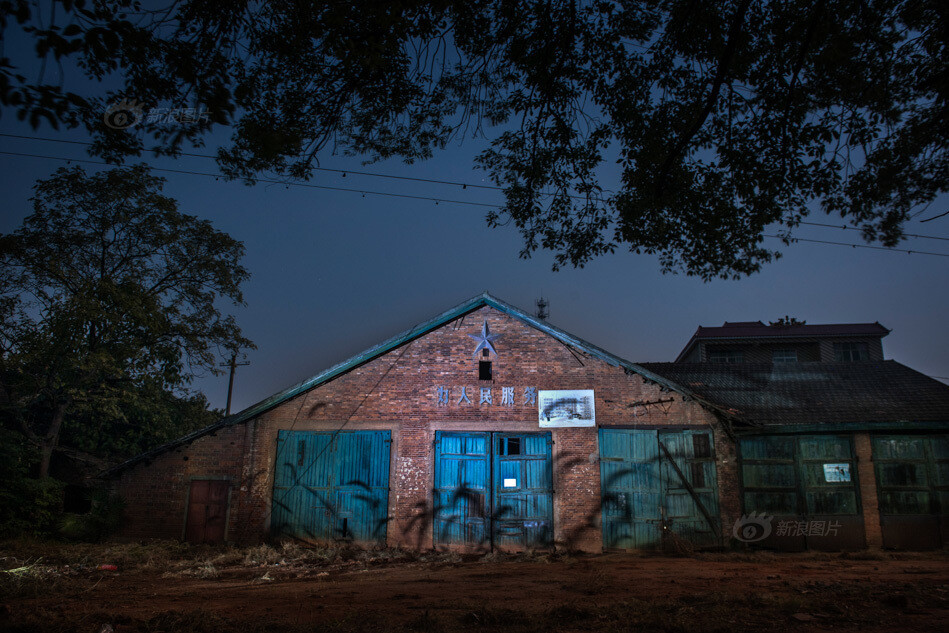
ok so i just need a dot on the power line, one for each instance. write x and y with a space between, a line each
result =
452 183
365 192
266 180
853 228
945 213
463 185
877 248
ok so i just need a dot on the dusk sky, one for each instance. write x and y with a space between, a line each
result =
335 272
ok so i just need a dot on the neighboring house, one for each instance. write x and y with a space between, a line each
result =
785 342
857 449
488 428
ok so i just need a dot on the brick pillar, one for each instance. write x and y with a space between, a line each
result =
868 490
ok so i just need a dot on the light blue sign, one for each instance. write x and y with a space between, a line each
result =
836 473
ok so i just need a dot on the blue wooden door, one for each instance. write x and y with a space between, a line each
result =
493 489
362 485
462 489
654 481
631 488
689 485
330 486
523 491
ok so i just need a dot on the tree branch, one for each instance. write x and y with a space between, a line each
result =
734 31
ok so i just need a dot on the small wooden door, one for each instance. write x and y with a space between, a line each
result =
207 511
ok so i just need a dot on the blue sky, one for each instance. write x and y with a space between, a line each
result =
335 272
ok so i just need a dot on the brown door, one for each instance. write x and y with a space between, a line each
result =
207 511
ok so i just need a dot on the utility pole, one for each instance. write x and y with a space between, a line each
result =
233 364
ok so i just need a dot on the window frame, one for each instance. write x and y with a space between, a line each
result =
729 355
775 351
851 351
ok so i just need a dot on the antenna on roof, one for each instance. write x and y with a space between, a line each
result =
542 311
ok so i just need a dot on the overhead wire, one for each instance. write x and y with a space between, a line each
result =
854 228
288 183
463 185
364 192
878 248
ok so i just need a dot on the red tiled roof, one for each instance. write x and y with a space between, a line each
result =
757 329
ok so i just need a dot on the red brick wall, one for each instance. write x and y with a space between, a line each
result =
398 392
868 489
156 493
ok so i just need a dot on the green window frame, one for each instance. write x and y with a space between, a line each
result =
912 473
799 475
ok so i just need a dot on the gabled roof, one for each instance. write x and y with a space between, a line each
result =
816 394
396 341
758 330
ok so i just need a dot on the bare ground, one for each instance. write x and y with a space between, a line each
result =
171 587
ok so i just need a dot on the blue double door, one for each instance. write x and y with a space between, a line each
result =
658 483
493 490
331 486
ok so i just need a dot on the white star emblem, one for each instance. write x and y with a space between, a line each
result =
484 339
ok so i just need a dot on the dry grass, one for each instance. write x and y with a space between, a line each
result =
31 569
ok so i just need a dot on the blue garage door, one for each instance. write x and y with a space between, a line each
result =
330 486
493 490
653 482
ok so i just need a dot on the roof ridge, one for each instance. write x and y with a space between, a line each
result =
394 342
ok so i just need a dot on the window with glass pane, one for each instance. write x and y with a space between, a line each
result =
725 355
784 356
850 352
912 473
810 474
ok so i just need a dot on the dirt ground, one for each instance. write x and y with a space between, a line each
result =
171 587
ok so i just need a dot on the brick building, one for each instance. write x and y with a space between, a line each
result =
842 455
486 427
785 342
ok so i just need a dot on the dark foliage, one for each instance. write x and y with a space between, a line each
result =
110 306
722 117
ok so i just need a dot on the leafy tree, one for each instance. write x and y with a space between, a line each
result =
136 421
109 302
723 117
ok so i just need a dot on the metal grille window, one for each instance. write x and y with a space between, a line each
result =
725 356
912 474
784 356
850 352
802 475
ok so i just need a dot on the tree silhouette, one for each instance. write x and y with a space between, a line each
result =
722 117
109 301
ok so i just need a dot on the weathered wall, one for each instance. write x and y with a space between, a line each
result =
863 451
399 391
156 492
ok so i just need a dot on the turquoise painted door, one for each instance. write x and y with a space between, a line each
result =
654 481
493 490
631 488
523 491
690 493
331 486
462 488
